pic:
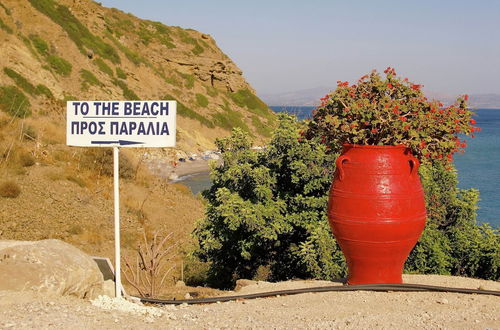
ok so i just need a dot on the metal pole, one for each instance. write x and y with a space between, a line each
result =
116 177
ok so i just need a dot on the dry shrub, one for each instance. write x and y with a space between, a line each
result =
26 159
29 133
195 271
181 188
55 175
9 189
148 274
94 237
101 160
75 230
76 179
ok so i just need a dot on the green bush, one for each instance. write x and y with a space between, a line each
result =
155 31
120 73
260 127
230 119
453 243
44 90
130 54
197 50
172 80
201 100
189 80
184 111
245 98
128 94
59 65
212 91
76 31
88 78
186 38
40 45
14 102
104 67
5 27
7 10
21 82
268 209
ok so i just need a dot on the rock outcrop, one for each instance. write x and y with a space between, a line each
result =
48 266
55 50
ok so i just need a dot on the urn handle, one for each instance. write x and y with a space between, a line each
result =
414 165
340 165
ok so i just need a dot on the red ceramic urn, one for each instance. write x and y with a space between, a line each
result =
376 210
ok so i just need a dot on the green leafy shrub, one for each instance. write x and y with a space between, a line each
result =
130 54
88 79
230 119
120 73
269 209
104 67
186 38
59 65
7 10
9 189
201 100
40 45
189 80
184 111
5 27
128 94
453 243
76 31
21 82
155 31
14 102
212 91
44 90
197 50
260 127
172 80
245 98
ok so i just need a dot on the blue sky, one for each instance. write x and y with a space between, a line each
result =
451 47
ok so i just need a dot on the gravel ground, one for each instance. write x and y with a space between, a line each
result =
332 310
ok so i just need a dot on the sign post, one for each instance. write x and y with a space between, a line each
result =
116 196
120 124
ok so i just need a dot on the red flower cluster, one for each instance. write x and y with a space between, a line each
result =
391 111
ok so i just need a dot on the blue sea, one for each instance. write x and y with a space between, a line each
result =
478 167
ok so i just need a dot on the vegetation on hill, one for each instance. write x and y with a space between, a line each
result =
14 102
76 31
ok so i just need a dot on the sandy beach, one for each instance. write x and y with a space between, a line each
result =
173 171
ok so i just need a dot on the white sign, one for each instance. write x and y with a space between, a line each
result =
121 123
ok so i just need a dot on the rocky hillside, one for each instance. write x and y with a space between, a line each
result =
58 50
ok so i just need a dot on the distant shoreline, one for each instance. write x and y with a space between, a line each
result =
188 168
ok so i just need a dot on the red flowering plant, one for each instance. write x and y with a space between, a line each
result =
391 111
